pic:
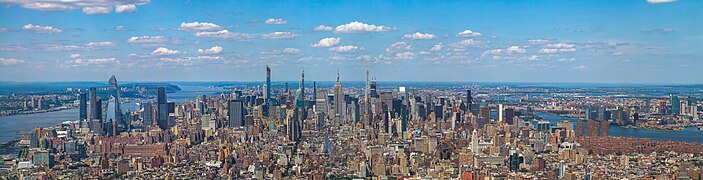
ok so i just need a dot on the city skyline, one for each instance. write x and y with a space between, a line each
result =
635 41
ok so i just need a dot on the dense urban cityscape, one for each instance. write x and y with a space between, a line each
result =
351 90
438 131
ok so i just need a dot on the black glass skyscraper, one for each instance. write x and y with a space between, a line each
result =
94 106
236 113
83 107
162 108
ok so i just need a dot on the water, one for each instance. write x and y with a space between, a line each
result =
9 125
689 134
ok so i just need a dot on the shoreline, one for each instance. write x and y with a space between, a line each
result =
40 111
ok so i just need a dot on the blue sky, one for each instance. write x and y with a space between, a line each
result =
623 41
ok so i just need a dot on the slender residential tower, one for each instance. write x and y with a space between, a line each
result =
114 92
268 85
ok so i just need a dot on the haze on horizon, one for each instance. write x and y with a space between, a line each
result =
633 41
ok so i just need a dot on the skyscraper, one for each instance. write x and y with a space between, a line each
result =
500 113
338 99
83 107
675 105
93 104
268 85
114 93
469 100
162 108
235 113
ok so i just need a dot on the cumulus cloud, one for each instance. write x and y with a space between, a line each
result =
533 58
130 8
199 26
359 27
88 7
468 33
581 67
327 42
224 34
515 49
279 35
465 43
212 50
347 48
405 55
276 21
10 61
41 29
660 1
437 47
100 44
147 39
419 35
119 28
74 55
162 51
537 41
399 46
97 10
557 48
291 50
322 28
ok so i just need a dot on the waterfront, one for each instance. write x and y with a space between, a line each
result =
689 134
9 125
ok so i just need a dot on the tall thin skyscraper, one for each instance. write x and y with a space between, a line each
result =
83 107
93 104
469 100
115 93
675 104
235 113
162 108
268 85
338 99
302 97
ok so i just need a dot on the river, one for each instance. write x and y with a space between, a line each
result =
689 134
9 125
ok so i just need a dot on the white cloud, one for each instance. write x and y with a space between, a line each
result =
224 34
147 39
466 42
327 42
120 28
74 55
100 44
322 28
130 8
660 1
582 67
515 49
405 55
10 61
437 47
537 41
41 29
199 26
291 50
557 48
212 50
279 35
88 6
275 21
419 35
468 33
359 27
399 46
347 48
533 58
97 10
162 51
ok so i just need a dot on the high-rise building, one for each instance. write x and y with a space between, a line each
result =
500 113
675 104
484 116
114 92
339 109
82 107
580 128
147 114
509 116
93 104
469 100
235 113
267 99
593 128
604 125
162 108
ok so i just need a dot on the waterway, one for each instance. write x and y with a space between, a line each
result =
689 134
9 125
